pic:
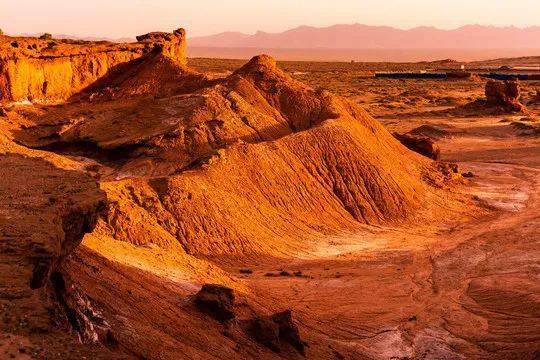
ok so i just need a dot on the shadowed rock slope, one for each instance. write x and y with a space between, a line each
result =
47 205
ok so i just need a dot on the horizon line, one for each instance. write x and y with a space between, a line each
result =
378 26
21 34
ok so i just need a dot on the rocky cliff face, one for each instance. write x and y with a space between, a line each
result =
48 70
45 212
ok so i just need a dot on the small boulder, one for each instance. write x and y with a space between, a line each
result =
288 331
265 331
420 144
273 331
448 169
504 94
217 301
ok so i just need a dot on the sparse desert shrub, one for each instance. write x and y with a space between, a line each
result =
46 36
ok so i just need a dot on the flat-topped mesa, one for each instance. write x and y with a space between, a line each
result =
53 70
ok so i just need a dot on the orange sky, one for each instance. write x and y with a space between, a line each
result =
121 18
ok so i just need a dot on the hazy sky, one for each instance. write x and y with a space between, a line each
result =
119 18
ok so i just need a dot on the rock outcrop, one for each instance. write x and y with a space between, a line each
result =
171 45
217 301
501 97
84 320
504 95
154 74
41 70
275 330
420 144
45 210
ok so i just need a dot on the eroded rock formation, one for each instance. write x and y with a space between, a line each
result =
420 144
45 212
276 330
53 70
504 95
501 97
217 301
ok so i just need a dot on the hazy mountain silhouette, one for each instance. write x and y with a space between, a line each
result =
77 37
359 36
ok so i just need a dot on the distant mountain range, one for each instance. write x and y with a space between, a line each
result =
357 36
75 37
96 38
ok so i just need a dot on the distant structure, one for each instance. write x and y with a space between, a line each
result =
505 72
411 75
512 76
